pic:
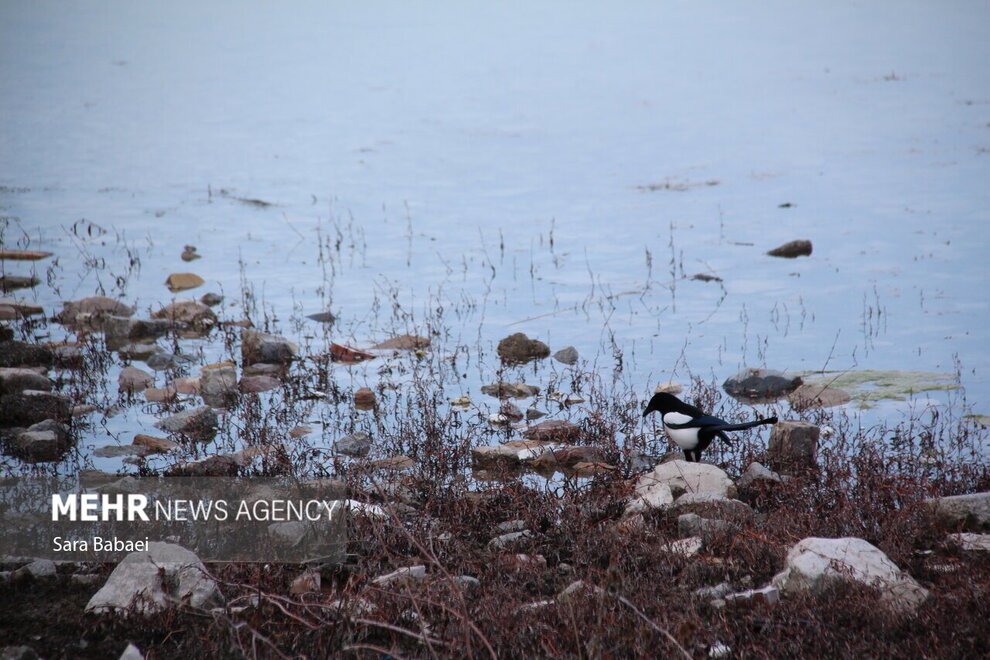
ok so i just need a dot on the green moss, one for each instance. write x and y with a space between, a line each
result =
871 385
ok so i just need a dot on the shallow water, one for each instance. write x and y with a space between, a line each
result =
498 162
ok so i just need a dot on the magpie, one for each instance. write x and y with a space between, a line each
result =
690 428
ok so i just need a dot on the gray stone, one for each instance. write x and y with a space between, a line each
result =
757 473
401 575
270 349
755 385
211 299
506 540
38 569
199 423
18 653
578 591
138 350
164 360
132 379
152 581
519 349
691 524
23 354
711 593
256 384
93 309
356 445
970 512
189 313
971 542
15 380
503 390
567 356
793 446
813 563
792 249
44 442
218 384
131 653
678 478
33 406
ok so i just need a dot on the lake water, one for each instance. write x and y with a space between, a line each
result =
560 169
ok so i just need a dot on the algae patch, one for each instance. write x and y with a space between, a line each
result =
870 385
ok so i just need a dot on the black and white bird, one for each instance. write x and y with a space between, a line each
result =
690 428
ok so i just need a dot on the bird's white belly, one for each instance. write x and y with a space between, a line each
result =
683 438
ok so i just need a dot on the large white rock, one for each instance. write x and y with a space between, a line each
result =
151 581
970 511
660 487
815 562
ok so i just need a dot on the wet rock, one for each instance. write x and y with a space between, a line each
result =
160 394
811 395
211 299
138 351
767 596
23 255
188 312
691 524
970 542
792 249
408 573
218 384
220 465
153 444
44 442
189 253
262 347
670 387
186 385
568 356
13 282
69 356
20 308
132 379
706 277
505 540
262 369
356 445
533 414
757 473
519 349
514 390
15 380
121 330
393 463
92 309
322 317
814 562
197 423
364 399
508 455
257 384
23 354
152 581
33 406
793 446
510 411
971 512
163 361
182 281
117 451
568 457
756 385
8 313
404 343
82 409
553 430
300 431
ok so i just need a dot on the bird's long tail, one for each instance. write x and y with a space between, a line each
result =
744 425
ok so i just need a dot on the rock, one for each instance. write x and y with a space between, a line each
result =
719 650
116 451
568 356
188 312
44 442
20 308
132 379
23 255
670 387
757 385
211 299
17 652
322 317
579 591
509 454
131 653
510 526
138 351
687 547
189 253
793 446
364 399
262 369
519 349
767 596
514 390
393 463
684 477
16 380
553 430
757 473
972 542
356 445
218 384
971 512
408 573
258 384
711 593
792 249
88 310
568 457
588 469
534 413
33 406
404 343
160 394
68 356
12 282
270 349
36 570
815 562
707 505
811 395
121 331
154 444
300 431
348 354
691 524
219 465
510 411
308 582
649 495
23 354
8 313
85 579
82 409
186 385
163 361
198 423
152 581
505 540
182 281
468 582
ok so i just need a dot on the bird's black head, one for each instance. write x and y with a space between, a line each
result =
663 402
